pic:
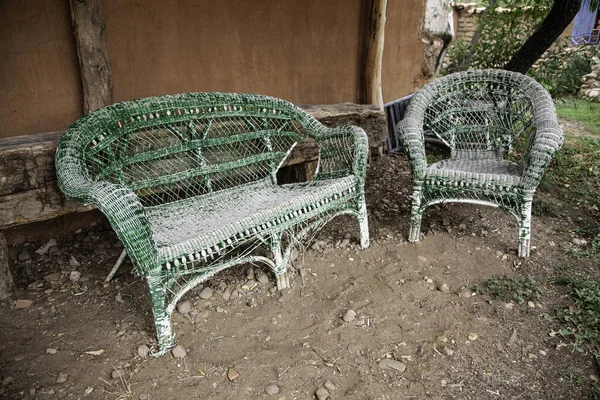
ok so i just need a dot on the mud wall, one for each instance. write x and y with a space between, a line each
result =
305 51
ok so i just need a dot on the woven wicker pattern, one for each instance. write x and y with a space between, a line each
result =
479 115
188 182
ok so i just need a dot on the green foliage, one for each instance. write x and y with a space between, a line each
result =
586 112
544 207
518 288
582 319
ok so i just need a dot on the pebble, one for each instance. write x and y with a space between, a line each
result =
184 307
232 374
8 381
143 396
579 242
178 351
329 386
203 314
23 303
73 262
263 278
206 293
118 373
235 294
250 273
62 377
272 389
429 280
322 393
509 306
473 336
499 253
226 295
24 256
421 258
388 363
447 351
530 304
143 350
74 276
349 316
51 350
444 288
441 338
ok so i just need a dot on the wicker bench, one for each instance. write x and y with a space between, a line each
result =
188 183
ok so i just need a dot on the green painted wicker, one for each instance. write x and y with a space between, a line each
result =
478 115
188 183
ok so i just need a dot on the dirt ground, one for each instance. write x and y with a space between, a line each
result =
453 344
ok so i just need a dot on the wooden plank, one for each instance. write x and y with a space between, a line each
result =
90 38
375 46
6 280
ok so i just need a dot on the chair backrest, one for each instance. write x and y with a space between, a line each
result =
173 147
479 114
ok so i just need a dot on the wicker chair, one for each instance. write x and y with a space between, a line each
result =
478 116
188 182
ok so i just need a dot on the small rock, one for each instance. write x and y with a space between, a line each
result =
473 336
203 314
74 276
263 278
232 374
499 253
329 386
322 393
349 316
272 389
118 373
235 295
143 350
184 307
32 391
53 277
509 306
62 377
73 262
178 351
206 293
579 242
465 293
250 273
444 288
23 303
344 243
226 295
9 380
447 351
390 364
429 280
530 304
51 350
441 338
421 258
143 396
24 256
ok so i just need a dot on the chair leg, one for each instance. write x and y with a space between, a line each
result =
162 319
280 269
115 268
363 224
525 228
416 215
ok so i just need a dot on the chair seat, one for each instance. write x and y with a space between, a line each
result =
501 172
189 226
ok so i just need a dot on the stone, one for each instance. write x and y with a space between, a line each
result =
53 277
263 278
23 256
473 336
232 374
235 295
203 314
143 350
447 351
178 351
9 380
444 288
530 304
23 303
389 364
73 262
442 339
329 386
74 276
62 377
206 293
51 350
143 396
226 295
184 307
349 316
250 273
272 389
322 393
118 373
579 242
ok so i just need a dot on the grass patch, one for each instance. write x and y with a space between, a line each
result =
582 319
516 288
584 111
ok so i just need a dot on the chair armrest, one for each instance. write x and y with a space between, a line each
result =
342 151
547 139
410 133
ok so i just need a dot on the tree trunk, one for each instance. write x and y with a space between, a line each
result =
90 39
560 16
375 53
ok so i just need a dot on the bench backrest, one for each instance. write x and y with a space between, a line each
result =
479 114
173 147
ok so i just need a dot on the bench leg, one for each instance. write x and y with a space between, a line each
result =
363 224
280 268
162 319
525 229
416 214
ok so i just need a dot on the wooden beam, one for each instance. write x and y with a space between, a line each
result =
90 38
375 53
6 280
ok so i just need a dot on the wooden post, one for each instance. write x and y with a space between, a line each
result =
375 53
6 280
90 38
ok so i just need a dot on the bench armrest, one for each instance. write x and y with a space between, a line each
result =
410 133
342 151
547 139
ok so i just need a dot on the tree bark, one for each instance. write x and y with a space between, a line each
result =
375 53
560 16
90 38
